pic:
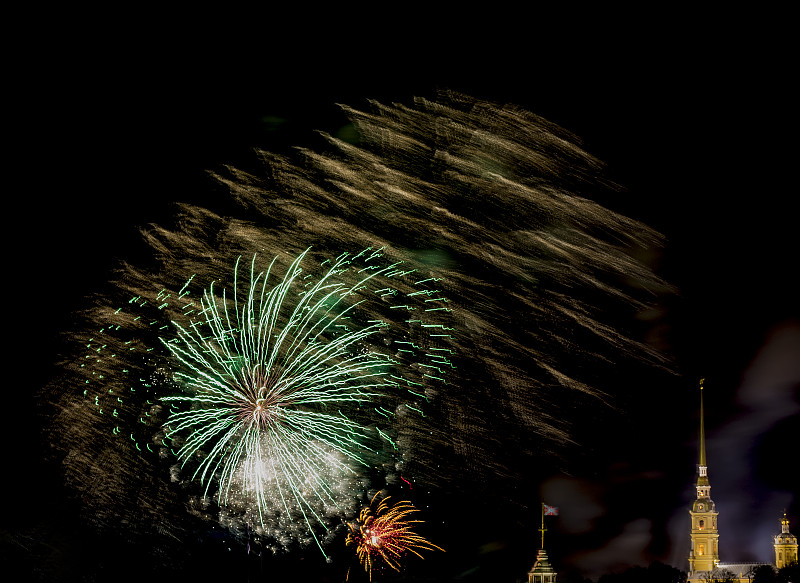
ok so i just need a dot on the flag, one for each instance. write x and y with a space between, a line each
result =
550 510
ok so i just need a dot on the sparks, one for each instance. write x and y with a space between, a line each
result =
266 381
383 535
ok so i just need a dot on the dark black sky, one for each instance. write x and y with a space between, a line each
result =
696 120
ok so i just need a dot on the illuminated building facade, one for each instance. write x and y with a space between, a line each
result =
785 545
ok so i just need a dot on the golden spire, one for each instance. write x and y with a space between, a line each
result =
702 429
703 488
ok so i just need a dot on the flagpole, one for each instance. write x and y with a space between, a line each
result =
542 529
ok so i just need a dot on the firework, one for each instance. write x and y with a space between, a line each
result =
280 394
165 419
267 377
384 534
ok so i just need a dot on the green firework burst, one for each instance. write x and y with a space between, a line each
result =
268 375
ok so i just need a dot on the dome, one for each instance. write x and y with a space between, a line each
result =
542 565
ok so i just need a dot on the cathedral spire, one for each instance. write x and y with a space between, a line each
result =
704 553
703 485
702 429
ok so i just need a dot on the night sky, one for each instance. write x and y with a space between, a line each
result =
696 122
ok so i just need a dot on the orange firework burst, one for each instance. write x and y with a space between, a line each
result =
384 534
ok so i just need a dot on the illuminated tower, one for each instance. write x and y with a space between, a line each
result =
542 571
785 545
704 553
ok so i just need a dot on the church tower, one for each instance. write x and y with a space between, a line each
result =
542 571
785 545
704 553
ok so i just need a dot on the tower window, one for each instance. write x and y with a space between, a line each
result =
701 550
701 525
